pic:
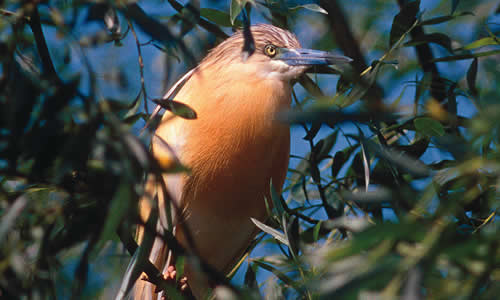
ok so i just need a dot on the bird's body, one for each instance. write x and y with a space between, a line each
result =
234 149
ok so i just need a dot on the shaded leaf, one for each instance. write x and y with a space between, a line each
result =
292 234
219 17
325 145
338 162
471 77
120 205
402 161
177 108
443 19
276 199
282 276
429 127
454 4
403 21
436 38
467 56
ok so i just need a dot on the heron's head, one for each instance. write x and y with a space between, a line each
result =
277 55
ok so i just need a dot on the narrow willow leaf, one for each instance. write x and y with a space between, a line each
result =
276 199
311 7
487 41
443 19
338 162
366 167
317 228
292 234
467 56
271 231
436 38
131 275
275 271
326 145
177 108
471 77
398 159
119 207
140 258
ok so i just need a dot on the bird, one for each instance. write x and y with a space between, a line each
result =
233 149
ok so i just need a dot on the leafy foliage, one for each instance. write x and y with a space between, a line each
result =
395 197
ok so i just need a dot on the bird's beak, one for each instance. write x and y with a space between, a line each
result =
308 57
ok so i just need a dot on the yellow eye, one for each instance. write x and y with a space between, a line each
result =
270 50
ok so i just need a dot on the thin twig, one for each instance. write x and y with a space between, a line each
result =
141 66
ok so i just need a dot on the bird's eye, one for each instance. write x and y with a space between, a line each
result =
270 50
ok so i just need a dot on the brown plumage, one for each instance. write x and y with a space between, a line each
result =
234 149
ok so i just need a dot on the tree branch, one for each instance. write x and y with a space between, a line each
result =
48 69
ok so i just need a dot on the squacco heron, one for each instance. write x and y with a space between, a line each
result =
234 149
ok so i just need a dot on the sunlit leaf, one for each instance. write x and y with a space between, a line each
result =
487 41
271 231
311 7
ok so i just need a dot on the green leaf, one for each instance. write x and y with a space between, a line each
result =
282 276
177 108
338 162
471 77
429 127
467 56
292 234
443 19
219 17
311 7
326 146
235 9
436 38
487 41
271 231
276 199
403 21
316 230
120 204
454 4
398 159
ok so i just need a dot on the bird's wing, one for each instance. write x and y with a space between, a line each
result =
166 192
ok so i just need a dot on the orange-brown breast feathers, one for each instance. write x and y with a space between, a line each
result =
233 149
